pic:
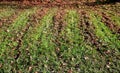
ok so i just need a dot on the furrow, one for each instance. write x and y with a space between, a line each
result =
72 50
104 32
14 30
38 43
6 22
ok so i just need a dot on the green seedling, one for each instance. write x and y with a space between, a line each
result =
104 33
6 13
38 41
12 31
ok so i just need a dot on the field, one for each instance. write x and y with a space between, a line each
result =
60 39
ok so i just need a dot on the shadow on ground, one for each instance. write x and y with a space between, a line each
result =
101 3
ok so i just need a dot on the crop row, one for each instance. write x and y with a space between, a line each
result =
6 13
7 41
30 48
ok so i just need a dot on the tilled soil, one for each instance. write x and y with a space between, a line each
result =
94 54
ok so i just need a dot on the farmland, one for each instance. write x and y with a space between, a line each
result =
58 39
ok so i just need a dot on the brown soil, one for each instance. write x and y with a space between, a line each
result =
6 21
58 21
33 21
107 20
47 2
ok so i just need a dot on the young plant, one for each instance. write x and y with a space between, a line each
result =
6 13
6 41
104 33
38 42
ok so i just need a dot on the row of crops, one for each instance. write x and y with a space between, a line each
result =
82 42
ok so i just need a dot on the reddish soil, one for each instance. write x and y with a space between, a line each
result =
58 21
32 23
6 21
107 20
48 2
